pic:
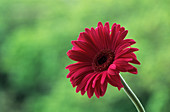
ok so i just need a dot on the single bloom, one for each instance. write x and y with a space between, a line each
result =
101 54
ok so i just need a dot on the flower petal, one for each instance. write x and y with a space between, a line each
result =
79 56
97 91
90 90
123 44
90 80
101 36
123 65
113 32
122 29
95 79
122 36
121 47
131 41
103 88
125 51
106 32
84 46
82 71
100 24
96 38
132 56
83 82
103 78
78 65
115 41
83 92
114 80
77 81
111 69
84 36
134 70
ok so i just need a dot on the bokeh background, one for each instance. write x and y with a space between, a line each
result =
36 34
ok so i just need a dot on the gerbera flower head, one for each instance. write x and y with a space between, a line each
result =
101 54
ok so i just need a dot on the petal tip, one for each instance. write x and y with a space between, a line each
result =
119 88
67 76
68 52
107 23
100 24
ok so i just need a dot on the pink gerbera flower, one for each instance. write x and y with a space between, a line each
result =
101 54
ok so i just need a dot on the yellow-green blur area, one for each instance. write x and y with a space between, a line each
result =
36 34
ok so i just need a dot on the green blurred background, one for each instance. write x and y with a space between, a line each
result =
36 34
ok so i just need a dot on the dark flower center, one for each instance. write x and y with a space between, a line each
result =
102 60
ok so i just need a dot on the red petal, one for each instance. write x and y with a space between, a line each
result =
131 41
112 69
100 24
90 80
87 30
115 41
134 70
79 56
121 47
133 56
75 66
95 79
103 88
123 66
106 31
84 81
122 29
101 37
123 44
126 51
114 80
97 91
122 60
113 32
77 81
69 75
84 36
118 27
122 36
82 92
84 46
83 71
90 90
103 77
96 38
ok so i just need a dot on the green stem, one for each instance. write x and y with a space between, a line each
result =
132 96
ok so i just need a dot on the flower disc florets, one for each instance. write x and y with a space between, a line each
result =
102 60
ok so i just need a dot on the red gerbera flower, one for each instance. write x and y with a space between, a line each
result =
101 54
